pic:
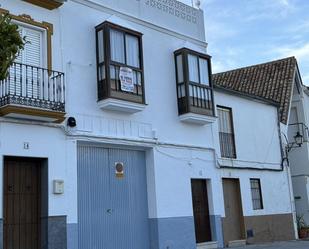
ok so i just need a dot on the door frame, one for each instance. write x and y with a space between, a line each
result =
242 221
44 191
207 183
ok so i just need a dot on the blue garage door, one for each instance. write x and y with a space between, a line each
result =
112 205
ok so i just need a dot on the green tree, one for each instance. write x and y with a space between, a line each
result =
11 43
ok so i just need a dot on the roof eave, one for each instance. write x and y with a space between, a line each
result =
247 96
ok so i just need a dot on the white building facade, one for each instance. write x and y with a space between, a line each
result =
299 156
256 169
111 114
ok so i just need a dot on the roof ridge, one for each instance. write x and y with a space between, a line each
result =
257 65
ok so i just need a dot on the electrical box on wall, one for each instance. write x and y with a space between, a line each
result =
58 187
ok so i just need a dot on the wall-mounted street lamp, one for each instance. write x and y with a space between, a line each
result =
301 137
298 142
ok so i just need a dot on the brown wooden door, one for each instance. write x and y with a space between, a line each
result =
21 204
233 223
200 210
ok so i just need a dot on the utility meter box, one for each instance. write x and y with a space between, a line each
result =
58 187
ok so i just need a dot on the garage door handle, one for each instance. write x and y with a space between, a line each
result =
109 211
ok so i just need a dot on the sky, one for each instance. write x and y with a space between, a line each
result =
247 32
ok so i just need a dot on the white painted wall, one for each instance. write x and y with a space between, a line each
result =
44 142
275 191
256 132
174 168
301 194
73 50
257 145
299 157
160 114
169 167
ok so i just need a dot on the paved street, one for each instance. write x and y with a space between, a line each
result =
280 245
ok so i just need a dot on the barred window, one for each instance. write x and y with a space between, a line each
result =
256 193
226 132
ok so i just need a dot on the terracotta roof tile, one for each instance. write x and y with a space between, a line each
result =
271 81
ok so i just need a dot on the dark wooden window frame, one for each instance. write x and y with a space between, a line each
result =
260 193
107 92
234 156
187 107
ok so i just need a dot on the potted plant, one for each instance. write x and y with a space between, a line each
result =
11 43
302 227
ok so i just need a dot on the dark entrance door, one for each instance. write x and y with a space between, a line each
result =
233 223
200 210
21 212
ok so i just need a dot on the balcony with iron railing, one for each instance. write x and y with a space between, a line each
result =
31 92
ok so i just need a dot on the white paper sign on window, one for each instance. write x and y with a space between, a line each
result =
126 79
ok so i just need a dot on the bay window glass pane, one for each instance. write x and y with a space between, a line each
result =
112 72
191 91
117 46
181 90
132 51
139 78
101 46
113 77
101 72
193 68
135 79
179 68
204 74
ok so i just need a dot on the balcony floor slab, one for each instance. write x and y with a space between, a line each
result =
197 119
30 113
120 106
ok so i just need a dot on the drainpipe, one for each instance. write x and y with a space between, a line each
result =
285 158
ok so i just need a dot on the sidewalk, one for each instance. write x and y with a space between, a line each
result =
299 244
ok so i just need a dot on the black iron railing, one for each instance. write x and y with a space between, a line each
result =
115 80
111 86
33 86
199 99
200 96
227 145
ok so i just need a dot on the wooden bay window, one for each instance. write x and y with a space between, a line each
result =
119 63
193 80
